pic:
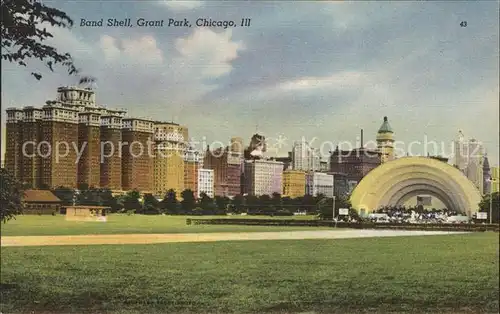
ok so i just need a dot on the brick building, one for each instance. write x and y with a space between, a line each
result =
355 164
111 137
191 167
31 134
137 155
170 145
227 165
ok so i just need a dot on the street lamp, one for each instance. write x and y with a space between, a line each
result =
333 209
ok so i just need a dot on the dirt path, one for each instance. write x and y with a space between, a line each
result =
206 237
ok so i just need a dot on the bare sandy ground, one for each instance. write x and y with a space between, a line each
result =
207 237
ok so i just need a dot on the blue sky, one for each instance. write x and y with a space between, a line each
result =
305 69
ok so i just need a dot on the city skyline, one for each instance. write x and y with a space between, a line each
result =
336 71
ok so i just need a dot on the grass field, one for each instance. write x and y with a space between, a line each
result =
124 224
445 274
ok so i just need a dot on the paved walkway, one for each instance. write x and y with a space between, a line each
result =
207 237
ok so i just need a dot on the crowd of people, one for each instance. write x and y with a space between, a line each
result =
416 214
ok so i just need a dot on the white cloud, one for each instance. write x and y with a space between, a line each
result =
109 47
207 52
143 50
181 5
339 80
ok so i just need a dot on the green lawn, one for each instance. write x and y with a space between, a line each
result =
124 224
433 274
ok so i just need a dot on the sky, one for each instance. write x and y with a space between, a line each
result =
314 70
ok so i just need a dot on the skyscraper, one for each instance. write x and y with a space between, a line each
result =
191 167
205 182
495 179
294 183
305 158
31 160
170 145
256 148
137 158
263 177
354 164
60 134
319 183
227 165
469 158
89 136
13 148
111 137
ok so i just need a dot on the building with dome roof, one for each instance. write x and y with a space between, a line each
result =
385 141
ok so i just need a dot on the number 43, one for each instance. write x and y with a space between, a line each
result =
463 24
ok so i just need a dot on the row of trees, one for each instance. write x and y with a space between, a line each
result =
11 193
188 205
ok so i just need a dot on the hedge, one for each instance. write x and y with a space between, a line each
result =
351 225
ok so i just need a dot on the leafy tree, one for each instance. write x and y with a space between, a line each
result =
188 201
24 35
206 203
484 205
308 203
276 201
150 205
131 201
222 202
12 194
169 202
238 203
110 201
288 203
252 203
319 197
66 195
326 206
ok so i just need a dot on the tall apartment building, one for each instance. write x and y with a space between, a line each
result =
461 152
89 137
355 164
495 179
227 165
319 183
469 157
111 138
340 184
13 147
137 154
170 144
256 148
54 135
31 160
60 134
294 183
305 158
191 167
205 182
263 177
